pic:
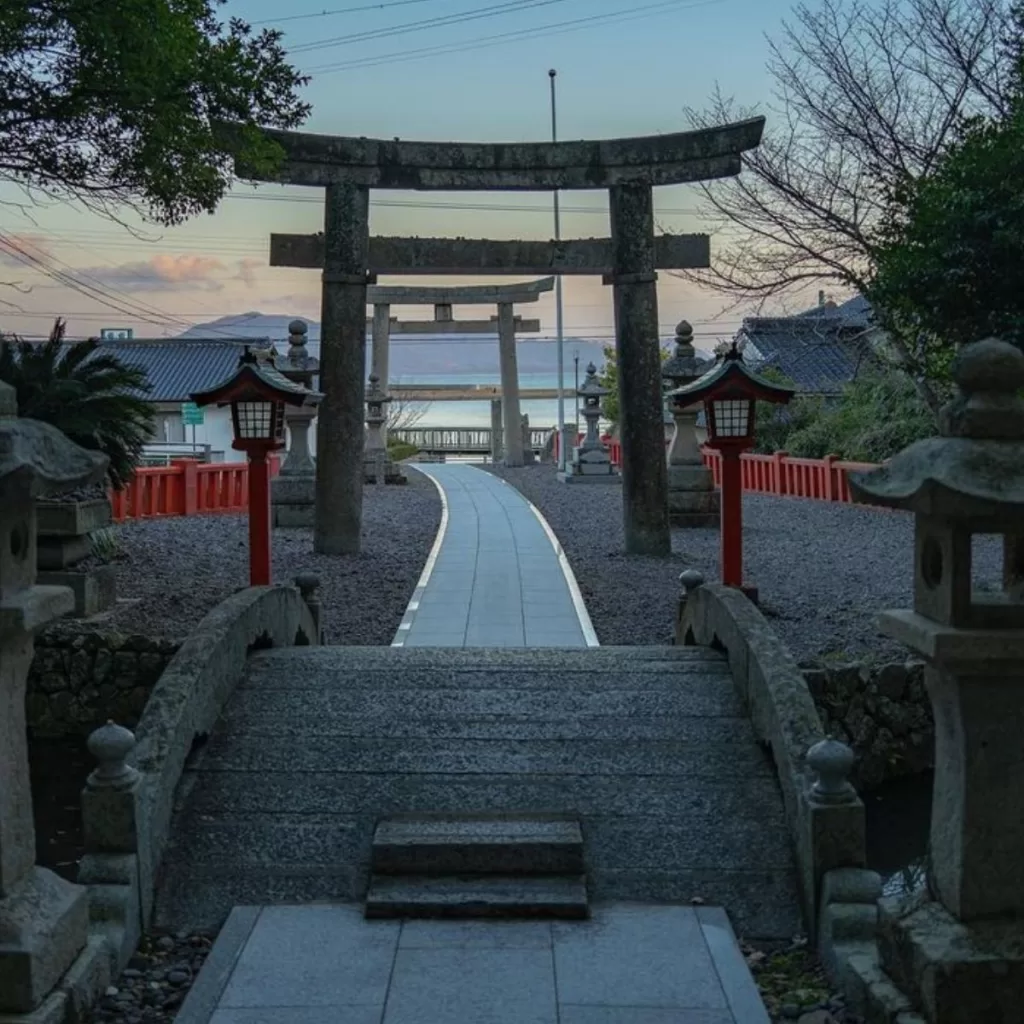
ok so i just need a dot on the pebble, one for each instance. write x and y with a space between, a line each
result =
165 942
179 977
791 1011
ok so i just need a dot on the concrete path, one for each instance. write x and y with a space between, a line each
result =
630 964
496 577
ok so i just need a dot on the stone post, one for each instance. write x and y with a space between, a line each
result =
513 434
380 356
959 954
692 498
497 448
293 490
339 466
642 430
309 586
528 456
110 820
376 457
44 919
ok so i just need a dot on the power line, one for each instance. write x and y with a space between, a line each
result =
340 10
556 28
441 21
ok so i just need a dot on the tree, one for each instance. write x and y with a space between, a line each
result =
951 267
775 424
608 377
89 395
867 96
122 103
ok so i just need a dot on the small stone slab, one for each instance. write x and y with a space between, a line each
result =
562 897
496 845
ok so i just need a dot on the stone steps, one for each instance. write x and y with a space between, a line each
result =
563 897
477 845
493 865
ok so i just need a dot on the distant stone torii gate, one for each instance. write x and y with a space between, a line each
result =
347 168
505 297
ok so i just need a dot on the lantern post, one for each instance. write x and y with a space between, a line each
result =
729 391
258 393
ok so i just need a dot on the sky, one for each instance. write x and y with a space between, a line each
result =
464 70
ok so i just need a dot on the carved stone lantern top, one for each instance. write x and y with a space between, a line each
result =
299 364
684 366
968 480
591 386
40 455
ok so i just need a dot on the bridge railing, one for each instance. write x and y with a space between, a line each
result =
184 488
459 440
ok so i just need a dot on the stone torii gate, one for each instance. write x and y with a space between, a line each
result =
383 297
347 168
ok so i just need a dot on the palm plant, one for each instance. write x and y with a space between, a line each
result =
89 395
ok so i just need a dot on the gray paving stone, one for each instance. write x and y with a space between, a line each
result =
740 990
300 1015
475 934
482 986
314 956
636 956
641 1015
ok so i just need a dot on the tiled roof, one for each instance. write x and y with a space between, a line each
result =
817 354
177 368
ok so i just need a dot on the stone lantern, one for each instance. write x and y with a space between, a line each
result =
377 464
44 920
958 953
293 490
692 498
591 462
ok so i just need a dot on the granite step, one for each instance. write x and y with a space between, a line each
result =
499 844
563 897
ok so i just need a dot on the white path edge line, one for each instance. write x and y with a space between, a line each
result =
578 604
414 601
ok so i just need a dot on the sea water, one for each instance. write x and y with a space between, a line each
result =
459 413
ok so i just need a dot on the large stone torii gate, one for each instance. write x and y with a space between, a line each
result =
347 168
442 298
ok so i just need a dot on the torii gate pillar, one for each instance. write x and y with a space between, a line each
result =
340 431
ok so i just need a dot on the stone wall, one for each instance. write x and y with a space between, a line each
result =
881 710
80 678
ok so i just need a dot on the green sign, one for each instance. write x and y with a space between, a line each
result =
191 414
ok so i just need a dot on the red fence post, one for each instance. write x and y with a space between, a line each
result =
830 482
189 486
779 473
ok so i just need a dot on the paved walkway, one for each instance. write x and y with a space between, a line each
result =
496 577
630 964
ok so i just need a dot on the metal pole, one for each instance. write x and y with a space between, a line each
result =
558 300
576 377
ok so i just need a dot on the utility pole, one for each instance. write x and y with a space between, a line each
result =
562 454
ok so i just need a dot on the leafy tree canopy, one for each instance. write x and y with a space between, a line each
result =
117 102
952 267
608 377
90 396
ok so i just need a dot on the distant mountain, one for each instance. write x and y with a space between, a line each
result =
413 355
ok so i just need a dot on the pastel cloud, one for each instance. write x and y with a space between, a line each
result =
163 273
34 246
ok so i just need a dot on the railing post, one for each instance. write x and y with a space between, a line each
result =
690 579
830 485
779 472
189 486
111 825
309 585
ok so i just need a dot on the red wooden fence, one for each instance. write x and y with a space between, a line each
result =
185 487
821 479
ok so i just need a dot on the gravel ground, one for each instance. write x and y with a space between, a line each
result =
823 570
171 572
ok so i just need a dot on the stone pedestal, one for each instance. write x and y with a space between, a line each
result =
293 490
63 541
590 461
497 439
692 498
44 920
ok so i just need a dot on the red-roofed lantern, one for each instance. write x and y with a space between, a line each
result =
729 390
257 394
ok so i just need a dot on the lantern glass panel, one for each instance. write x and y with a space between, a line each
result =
732 417
255 420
